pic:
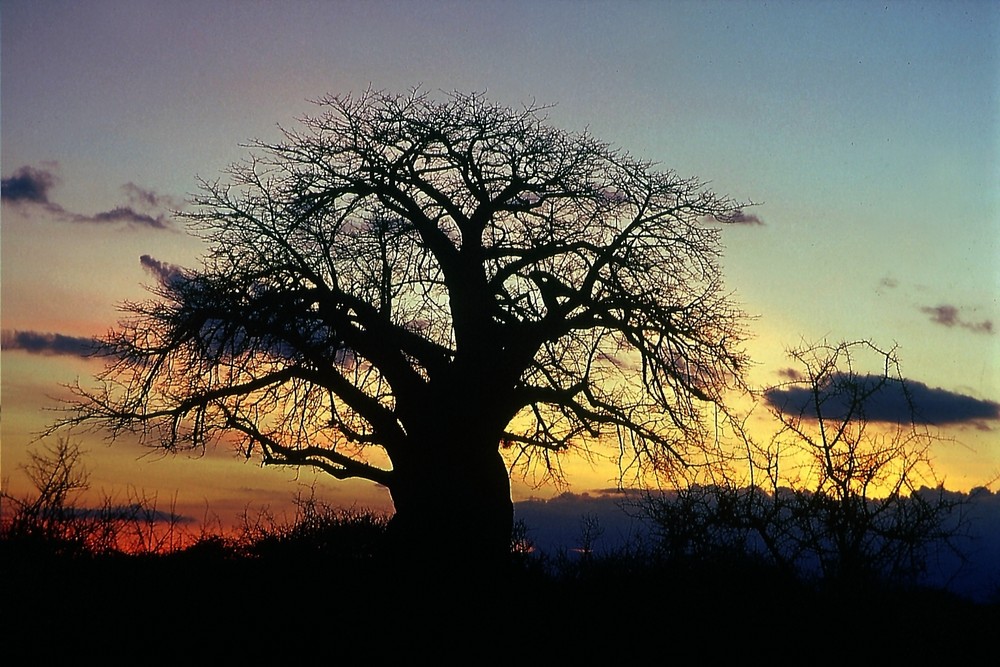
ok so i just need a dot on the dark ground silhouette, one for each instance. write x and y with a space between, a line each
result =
333 592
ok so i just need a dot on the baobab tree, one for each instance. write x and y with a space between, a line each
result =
402 288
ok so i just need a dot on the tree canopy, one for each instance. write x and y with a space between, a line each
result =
437 280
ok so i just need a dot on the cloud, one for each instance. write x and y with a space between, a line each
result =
735 217
948 316
560 522
35 342
792 374
891 283
555 526
741 217
131 512
918 404
125 214
164 272
29 186
143 198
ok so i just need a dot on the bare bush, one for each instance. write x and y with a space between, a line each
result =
835 492
52 519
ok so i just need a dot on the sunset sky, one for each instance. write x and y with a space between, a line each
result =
868 133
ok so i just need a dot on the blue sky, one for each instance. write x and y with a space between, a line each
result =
868 132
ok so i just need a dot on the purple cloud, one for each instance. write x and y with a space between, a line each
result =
34 342
164 272
27 185
948 316
31 186
127 215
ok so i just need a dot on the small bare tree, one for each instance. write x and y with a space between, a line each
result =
58 475
52 518
846 486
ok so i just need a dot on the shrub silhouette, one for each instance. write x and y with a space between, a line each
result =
318 532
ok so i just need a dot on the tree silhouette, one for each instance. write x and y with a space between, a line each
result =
869 512
845 489
403 287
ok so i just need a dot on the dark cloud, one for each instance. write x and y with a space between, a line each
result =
949 316
164 272
35 342
556 526
891 404
946 315
131 512
127 215
145 208
27 185
560 523
741 217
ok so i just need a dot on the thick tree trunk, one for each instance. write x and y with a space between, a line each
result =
453 507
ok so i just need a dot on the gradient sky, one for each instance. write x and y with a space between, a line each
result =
868 132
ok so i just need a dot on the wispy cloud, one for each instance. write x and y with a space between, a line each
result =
889 282
131 512
949 316
30 186
918 404
165 273
127 215
35 342
737 216
143 198
741 217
